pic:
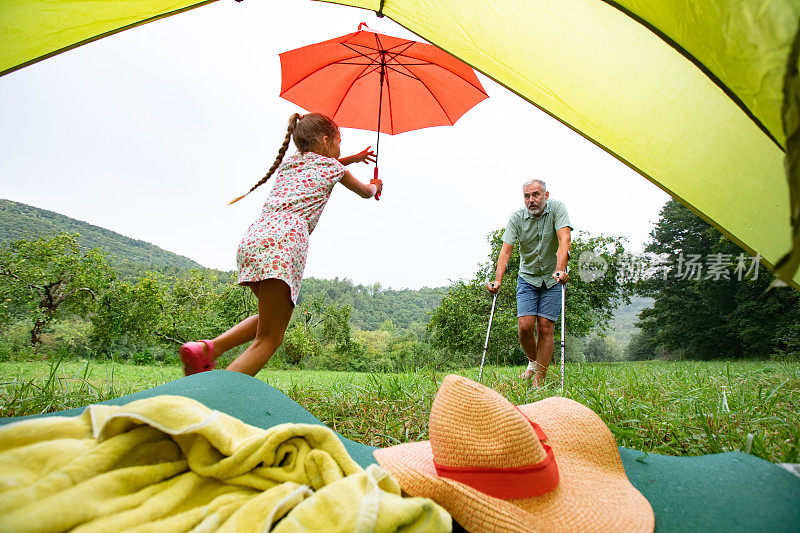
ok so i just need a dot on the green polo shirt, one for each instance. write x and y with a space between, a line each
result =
538 242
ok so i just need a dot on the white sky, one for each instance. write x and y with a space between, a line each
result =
150 132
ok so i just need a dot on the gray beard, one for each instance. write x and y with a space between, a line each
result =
538 211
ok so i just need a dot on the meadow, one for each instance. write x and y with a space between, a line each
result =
671 408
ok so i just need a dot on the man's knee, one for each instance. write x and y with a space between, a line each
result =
527 328
545 326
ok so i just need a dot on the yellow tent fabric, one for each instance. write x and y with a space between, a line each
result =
168 463
32 30
688 94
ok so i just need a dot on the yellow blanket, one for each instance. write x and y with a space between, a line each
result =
169 463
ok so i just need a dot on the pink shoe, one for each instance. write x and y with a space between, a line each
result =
195 357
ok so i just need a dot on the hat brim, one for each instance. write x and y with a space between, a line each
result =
593 493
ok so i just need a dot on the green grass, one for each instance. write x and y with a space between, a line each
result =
671 408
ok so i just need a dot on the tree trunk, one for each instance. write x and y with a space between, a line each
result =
36 332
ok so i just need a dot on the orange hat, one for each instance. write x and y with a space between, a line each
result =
551 465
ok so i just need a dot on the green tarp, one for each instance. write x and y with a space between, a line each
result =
723 492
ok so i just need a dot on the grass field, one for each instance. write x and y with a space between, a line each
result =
671 408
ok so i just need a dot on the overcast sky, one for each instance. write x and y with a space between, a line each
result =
152 131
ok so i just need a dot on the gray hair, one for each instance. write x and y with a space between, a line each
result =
541 183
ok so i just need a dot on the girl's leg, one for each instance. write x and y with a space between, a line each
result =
274 311
243 332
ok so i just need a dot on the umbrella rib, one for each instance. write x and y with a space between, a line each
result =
359 52
366 72
339 105
422 63
308 76
411 43
479 88
409 74
437 101
400 52
407 45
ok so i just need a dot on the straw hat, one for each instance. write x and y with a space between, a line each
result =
551 465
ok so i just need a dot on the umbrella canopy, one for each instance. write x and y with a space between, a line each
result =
377 82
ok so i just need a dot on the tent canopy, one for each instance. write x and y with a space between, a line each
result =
32 30
688 94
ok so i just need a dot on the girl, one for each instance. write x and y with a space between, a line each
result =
272 254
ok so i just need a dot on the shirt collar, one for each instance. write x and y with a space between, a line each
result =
527 214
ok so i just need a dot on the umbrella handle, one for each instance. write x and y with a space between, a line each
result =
374 181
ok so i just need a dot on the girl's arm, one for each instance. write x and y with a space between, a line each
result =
364 190
364 156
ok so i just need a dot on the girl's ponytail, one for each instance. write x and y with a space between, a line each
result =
293 120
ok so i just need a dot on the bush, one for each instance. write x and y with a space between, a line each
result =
643 347
788 344
143 357
602 349
299 344
72 332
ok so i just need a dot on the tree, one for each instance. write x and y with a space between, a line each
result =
129 310
602 349
461 320
709 302
198 304
316 323
46 277
642 348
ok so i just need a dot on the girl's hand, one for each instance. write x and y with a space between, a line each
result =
364 156
378 185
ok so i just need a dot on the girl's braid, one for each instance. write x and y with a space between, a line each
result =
293 120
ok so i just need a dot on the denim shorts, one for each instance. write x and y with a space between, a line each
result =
538 301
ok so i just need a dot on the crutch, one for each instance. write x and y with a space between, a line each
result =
486 342
563 327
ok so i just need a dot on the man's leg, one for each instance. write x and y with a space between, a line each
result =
544 348
549 310
527 338
527 307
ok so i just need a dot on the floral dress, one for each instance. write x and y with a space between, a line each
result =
276 245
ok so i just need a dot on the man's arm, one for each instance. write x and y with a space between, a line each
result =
562 254
502 263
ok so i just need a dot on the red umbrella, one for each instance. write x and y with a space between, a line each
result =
376 82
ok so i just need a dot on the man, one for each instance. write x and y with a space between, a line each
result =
545 236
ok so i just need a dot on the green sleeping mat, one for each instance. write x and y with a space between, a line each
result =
723 492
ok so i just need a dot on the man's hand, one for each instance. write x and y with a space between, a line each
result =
493 287
561 276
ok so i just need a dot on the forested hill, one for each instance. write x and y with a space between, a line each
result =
19 221
372 305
